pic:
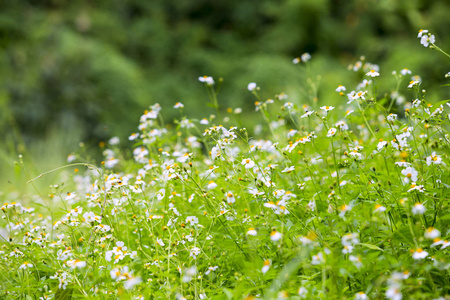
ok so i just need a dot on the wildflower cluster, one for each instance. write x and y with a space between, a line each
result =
320 202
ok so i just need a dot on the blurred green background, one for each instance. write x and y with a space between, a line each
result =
74 71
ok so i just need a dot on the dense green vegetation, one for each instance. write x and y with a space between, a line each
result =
297 170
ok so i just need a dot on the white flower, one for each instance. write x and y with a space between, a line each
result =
392 117
422 32
252 86
160 242
317 259
327 108
405 72
347 249
178 105
275 236
361 296
394 293
372 73
26 265
419 253
192 220
381 145
195 251
211 269
415 187
251 231
410 173
204 121
296 60
432 233
379 208
288 169
206 79
331 132
305 57
413 83
114 140
434 159
307 114
340 88
266 266
426 40
418 209
230 197
131 282
248 163
341 125
303 292
76 263
70 196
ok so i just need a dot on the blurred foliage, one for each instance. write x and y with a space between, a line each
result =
89 68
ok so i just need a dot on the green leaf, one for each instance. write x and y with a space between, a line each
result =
370 246
64 294
228 293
